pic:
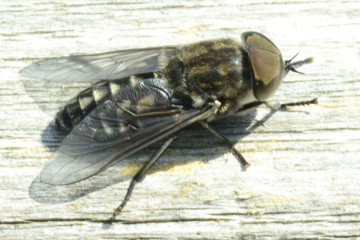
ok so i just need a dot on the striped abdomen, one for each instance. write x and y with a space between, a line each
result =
86 101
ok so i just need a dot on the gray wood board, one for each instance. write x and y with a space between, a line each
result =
304 178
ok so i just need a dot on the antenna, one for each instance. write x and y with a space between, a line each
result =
291 66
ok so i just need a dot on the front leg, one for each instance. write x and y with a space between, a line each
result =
274 109
290 104
300 103
233 150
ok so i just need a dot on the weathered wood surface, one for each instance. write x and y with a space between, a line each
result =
305 173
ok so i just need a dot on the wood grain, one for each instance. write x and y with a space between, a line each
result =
305 173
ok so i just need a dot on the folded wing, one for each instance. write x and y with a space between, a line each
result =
118 128
91 68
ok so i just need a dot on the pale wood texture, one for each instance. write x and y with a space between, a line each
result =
305 173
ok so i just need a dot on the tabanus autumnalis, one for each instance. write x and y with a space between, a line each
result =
141 96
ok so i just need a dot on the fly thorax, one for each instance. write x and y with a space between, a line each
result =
209 71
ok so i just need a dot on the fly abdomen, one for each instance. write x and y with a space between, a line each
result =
86 101
80 106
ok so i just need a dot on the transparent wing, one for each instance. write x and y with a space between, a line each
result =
116 129
90 68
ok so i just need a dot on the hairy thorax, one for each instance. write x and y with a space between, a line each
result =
212 71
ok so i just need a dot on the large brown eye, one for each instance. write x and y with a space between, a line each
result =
267 64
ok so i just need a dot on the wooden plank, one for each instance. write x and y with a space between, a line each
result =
304 178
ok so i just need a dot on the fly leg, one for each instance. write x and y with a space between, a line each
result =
285 105
274 109
140 175
174 109
278 107
312 101
233 150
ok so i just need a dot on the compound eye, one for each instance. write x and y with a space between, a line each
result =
266 62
